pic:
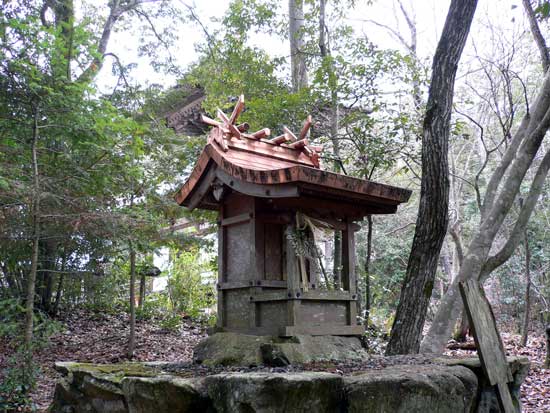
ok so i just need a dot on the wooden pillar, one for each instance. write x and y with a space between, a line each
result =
293 281
257 266
348 273
221 270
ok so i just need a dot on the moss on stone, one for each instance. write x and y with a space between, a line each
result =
111 372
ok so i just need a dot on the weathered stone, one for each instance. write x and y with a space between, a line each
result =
229 349
487 397
244 350
65 398
104 395
275 392
272 355
449 386
163 394
412 389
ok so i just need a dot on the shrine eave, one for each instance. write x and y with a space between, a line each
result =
274 177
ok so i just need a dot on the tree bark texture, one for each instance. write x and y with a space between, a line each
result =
141 292
462 327
431 224
296 35
498 201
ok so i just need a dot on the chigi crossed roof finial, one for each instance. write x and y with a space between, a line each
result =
230 129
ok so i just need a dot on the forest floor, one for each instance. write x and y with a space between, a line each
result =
101 338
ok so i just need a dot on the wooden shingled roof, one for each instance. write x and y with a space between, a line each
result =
285 167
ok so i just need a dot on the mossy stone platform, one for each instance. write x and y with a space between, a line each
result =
445 385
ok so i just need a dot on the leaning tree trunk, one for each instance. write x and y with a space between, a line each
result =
499 198
431 223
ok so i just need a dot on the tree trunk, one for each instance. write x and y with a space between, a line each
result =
55 309
132 337
461 328
141 292
297 44
431 224
334 127
60 282
537 35
49 261
31 281
527 310
477 260
496 206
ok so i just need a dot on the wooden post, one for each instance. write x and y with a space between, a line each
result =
221 269
293 281
257 265
348 273
488 341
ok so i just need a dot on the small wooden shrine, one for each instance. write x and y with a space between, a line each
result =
267 191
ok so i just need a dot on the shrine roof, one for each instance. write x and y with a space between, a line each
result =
286 166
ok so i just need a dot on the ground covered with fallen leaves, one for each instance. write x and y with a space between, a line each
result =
94 337
102 338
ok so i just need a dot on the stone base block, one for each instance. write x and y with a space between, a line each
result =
233 349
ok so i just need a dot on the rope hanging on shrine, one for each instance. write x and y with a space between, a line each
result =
305 247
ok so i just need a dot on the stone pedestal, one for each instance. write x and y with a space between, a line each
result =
232 349
443 386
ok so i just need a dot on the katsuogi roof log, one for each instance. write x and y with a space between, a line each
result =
283 169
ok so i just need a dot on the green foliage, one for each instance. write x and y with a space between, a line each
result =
190 284
155 306
388 265
171 322
12 315
378 330
543 10
19 378
20 372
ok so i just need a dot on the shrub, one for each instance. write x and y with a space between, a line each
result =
190 284
19 378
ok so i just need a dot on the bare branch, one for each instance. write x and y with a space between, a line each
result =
393 32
